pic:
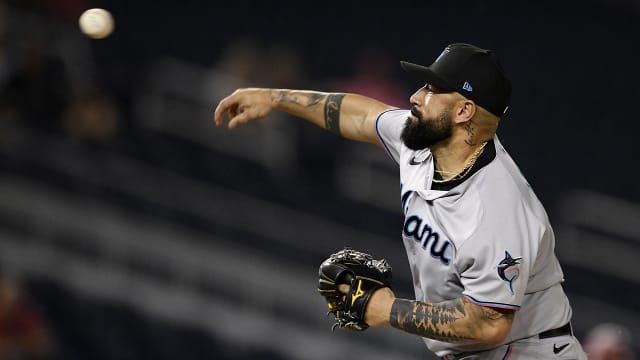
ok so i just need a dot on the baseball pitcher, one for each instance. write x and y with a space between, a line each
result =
480 246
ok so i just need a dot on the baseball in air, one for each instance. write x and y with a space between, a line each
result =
96 23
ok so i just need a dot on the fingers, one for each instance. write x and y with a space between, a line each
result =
242 118
224 107
344 288
236 107
242 106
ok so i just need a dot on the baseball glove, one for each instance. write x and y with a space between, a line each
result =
363 274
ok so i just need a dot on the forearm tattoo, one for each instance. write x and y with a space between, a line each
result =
436 321
332 112
332 105
297 98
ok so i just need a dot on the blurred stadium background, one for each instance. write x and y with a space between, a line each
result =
135 229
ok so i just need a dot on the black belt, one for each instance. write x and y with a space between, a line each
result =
564 330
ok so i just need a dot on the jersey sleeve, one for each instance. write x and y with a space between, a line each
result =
389 125
496 261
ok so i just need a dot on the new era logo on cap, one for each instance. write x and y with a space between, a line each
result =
461 65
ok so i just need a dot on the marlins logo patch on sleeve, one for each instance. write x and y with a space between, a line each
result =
508 269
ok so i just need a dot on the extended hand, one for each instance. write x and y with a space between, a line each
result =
244 105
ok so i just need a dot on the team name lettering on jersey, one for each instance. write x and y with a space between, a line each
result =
425 235
405 198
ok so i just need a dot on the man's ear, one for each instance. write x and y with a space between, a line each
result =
465 110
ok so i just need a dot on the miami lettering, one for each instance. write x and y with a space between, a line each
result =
427 237
406 197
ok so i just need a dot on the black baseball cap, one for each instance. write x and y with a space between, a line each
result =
471 71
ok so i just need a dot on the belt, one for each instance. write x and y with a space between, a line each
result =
563 330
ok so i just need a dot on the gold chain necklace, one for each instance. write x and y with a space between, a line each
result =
465 170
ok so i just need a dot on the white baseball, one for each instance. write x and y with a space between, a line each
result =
96 23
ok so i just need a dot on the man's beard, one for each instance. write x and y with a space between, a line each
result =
422 133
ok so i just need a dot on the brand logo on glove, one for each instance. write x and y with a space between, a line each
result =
358 294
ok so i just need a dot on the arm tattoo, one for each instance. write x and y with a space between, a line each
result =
490 313
332 113
436 321
309 99
304 100
429 320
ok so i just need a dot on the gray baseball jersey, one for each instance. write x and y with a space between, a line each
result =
487 239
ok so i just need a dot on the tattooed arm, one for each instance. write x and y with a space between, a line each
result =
349 115
452 321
